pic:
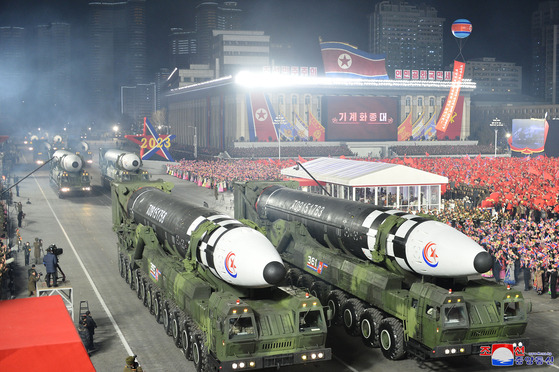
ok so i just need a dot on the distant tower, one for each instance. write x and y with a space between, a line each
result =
53 63
211 15
182 48
118 50
545 63
14 62
411 36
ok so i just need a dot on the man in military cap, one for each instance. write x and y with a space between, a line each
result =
32 283
132 365
27 252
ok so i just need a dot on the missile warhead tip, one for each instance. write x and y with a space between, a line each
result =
274 272
483 262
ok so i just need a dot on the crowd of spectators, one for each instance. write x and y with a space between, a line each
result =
521 193
416 149
290 151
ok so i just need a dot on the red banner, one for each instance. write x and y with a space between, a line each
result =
452 98
404 129
316 130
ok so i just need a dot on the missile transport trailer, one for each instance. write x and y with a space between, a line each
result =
406 283
211 281
67 174
120 166
41 152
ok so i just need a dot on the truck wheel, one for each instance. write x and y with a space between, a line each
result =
199 353
137 285
334 301
292 276
127 271
370 322
143 295
304 281
149 299
176 329
166 318
186 339
318 290
131 280
157 306
352 310
121 267
391 338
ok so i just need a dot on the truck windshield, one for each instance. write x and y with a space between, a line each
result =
310 320
511 310
241 326
455 316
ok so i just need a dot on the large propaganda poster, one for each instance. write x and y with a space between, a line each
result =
361 118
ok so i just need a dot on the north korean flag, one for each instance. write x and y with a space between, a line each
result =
344 60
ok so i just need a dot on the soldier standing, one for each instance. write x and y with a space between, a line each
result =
27 252
38 244
132 365
32 283
90 325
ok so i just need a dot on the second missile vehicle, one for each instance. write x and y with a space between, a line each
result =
404 282
81 148
120 166
67 174
211 281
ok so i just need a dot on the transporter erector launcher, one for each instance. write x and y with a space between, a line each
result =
234 252
416 244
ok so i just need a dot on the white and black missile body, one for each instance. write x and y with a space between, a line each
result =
68 161
124 160
417 244
233 252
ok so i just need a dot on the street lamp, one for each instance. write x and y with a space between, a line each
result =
496 123
195 141
278 122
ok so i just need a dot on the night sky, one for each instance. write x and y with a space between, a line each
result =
501 29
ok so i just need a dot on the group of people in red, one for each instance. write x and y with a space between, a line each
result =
516 223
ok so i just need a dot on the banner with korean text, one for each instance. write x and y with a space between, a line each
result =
450 104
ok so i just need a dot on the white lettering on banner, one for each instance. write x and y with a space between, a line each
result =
450 103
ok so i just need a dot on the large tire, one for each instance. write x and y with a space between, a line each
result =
121 267
370 323
351 314
304 281
143 292
334 301
127 269
199 353
157 306
149 298
319 290
186 338
137 285
131 280
391 338
166 317
176 328
292 276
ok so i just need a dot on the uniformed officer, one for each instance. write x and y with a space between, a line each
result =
32 283
27 252
38 244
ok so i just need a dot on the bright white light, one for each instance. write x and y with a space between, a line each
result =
115 128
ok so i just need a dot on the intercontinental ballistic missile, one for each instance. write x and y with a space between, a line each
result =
68 161
234 252
124 160
417 244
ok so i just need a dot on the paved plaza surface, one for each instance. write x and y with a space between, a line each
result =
82 226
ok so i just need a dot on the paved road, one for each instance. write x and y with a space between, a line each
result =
82 227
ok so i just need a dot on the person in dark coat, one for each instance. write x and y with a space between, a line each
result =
51 262
90 325
84 334
27 252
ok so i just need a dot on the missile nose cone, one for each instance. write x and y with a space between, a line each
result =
483 262
75 164
135 163
274 272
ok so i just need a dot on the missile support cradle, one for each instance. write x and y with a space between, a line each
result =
172 254
385 274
